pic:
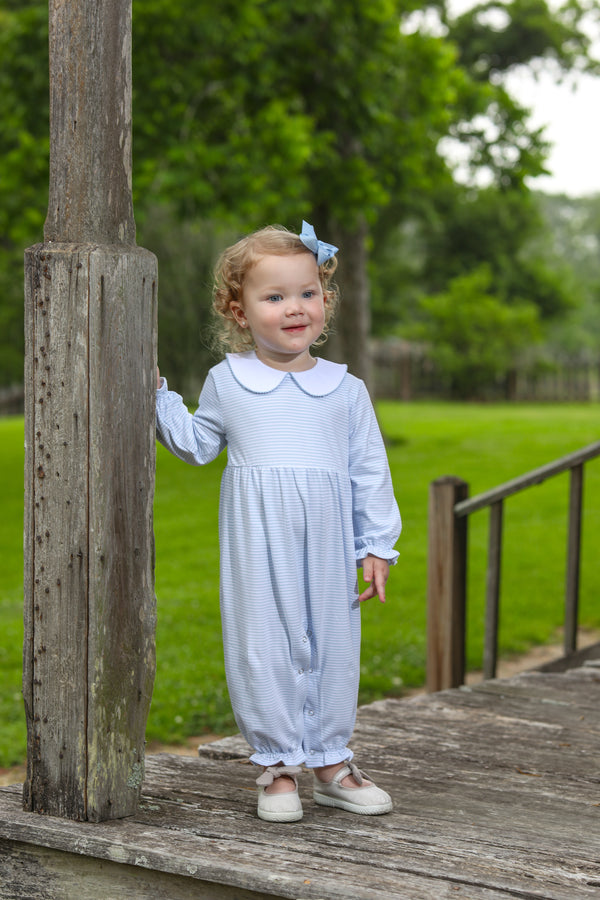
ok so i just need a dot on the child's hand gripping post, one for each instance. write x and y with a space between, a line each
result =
375 573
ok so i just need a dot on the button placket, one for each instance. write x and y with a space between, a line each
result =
303 655
311 717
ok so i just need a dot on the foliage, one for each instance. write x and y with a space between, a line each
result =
492 227
474 337
384 103
485 444
335 112
289 107
24 147
493 38
572 250
485 215
213 132
187 250
443 250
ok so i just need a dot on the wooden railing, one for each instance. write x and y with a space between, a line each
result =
449 508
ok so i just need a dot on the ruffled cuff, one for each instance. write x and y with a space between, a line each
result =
390 556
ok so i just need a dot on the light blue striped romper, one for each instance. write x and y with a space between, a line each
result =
305 496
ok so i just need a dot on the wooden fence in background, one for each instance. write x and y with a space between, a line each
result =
407 371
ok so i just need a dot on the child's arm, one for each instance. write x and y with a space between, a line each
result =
196 439
375 573
376 518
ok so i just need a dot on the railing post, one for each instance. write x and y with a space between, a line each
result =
490 649
573 557
446 584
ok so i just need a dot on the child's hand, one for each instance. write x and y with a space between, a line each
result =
375 573
157 378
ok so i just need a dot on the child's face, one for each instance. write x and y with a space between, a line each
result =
283 306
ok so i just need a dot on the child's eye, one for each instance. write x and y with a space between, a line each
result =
308 294
275 298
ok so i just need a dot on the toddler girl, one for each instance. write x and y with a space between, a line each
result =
306 497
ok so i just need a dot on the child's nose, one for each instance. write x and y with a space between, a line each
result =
294 307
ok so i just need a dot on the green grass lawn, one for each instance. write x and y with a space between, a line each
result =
484 444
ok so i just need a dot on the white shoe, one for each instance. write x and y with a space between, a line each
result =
366 800
284 807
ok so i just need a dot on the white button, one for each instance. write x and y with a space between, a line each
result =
311 712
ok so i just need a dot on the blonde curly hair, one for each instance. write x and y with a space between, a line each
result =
230 273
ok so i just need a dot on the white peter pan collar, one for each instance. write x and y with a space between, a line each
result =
255 376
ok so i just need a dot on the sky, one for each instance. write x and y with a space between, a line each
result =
571 119
572 125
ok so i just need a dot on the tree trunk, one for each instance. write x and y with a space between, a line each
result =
349 341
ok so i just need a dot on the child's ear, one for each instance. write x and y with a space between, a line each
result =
238 314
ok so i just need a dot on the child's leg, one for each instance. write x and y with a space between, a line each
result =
284 784
325 774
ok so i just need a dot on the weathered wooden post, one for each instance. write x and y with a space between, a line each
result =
446 584
89 471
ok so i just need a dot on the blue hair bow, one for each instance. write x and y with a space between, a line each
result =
322 251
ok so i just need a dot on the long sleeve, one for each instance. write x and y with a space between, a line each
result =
376 518
196 438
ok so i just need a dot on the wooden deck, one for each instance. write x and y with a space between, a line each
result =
497 795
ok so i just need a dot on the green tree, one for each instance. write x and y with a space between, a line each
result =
494 38
486 214
291 110
272 110
23 164
460 227
474 337
494 226
214 136
187 250
572 251
381 98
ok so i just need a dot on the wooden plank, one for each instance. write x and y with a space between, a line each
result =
30 871
572 660
496 792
